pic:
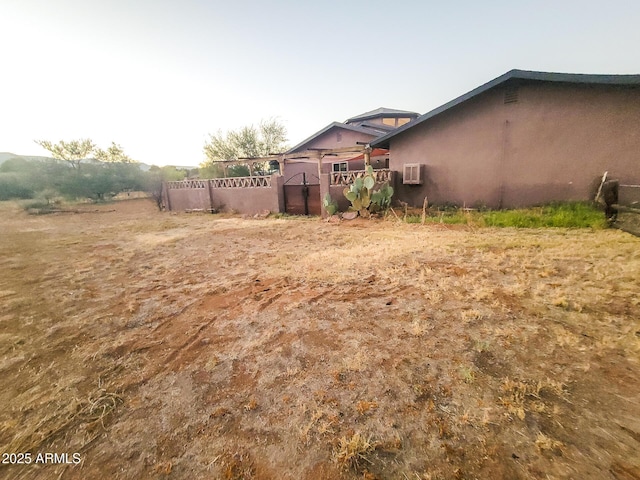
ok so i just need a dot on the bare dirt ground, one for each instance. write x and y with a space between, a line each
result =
197 346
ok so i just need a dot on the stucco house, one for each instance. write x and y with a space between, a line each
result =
522 139
358 130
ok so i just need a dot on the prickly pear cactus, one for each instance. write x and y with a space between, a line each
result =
364 199
330 205
382 198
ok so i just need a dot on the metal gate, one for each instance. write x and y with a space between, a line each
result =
302 199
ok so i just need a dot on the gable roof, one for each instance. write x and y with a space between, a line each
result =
513 75
368 130
382 112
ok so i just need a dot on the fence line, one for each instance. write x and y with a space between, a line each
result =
232 182
347 178
241 182
183 184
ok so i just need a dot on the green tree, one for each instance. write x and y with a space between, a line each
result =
248 142
22 178
110 171
113 154
72 152
14 185
213 169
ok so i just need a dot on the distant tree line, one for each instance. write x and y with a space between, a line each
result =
80 170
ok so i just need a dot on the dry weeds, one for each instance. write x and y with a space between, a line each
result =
353 452
175 346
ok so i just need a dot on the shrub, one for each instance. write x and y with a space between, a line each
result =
13 185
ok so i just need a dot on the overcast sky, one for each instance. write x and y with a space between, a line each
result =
158 76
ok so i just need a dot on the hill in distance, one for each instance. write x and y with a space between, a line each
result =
4 156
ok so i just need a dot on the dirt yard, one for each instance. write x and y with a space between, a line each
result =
153 345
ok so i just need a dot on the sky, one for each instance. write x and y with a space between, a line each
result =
157 77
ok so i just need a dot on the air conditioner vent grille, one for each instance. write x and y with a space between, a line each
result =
411 174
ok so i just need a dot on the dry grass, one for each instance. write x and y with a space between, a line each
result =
353 452
89 413
202 346
237 466
364 406
545 443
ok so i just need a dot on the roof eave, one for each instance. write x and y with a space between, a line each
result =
383 142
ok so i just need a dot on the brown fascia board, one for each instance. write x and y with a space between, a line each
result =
354 128
514 75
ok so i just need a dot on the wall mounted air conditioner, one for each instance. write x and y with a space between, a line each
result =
411 174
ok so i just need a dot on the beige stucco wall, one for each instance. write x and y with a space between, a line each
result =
183 199
553 144
293 171
250 200
563 138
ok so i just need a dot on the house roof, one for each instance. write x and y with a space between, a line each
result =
382 112
359 124
512 75
374 131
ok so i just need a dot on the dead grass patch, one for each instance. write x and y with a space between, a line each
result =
353 452
237 465
227 348
90 414
364 406
545 443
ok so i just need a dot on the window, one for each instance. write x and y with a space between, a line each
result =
411 174
338 137
395 122
340 167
